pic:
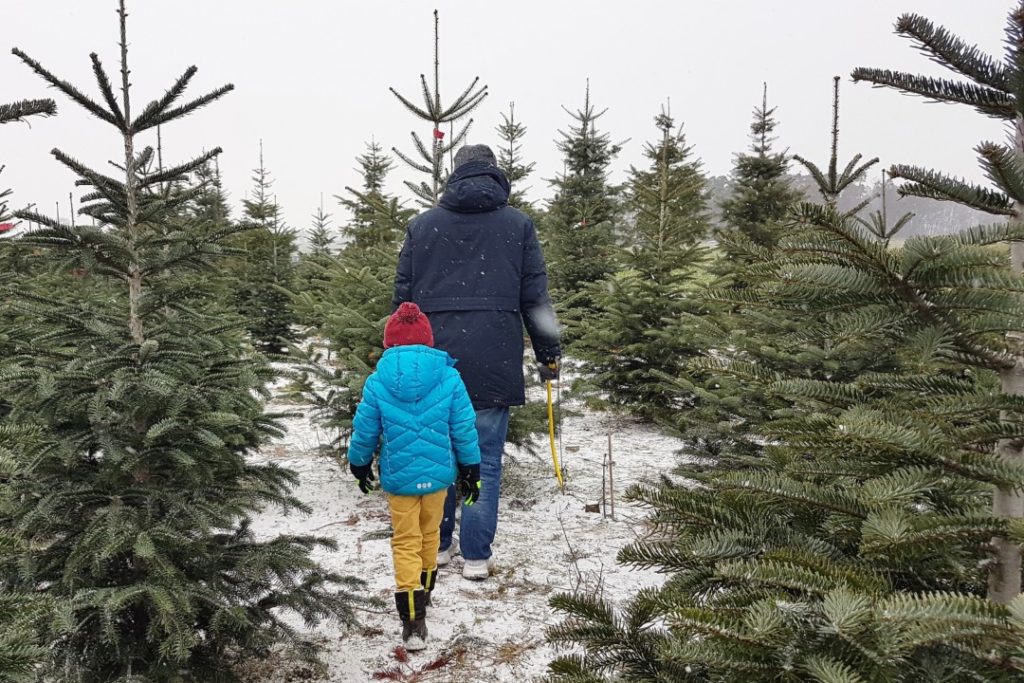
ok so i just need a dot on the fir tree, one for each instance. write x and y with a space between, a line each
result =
376 216
991 89
267 271
430 161
321 237
762 195
579 228
640 333
211 203
134 499
510 157
311 273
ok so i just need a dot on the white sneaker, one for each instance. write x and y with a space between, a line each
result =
477 570
445 556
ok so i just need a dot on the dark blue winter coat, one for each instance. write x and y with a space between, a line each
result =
416 401
474 266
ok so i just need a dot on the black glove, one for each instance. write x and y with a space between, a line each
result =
468 483
548 371
364 473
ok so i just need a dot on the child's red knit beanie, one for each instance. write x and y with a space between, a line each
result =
408 326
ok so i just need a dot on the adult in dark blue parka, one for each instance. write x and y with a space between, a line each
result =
474 265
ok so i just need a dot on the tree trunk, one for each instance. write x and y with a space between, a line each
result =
131 194
1004 580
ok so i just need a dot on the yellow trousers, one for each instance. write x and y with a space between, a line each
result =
416 537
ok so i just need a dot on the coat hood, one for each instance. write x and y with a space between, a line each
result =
476 187
409 373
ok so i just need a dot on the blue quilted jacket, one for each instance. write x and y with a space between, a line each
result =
417 402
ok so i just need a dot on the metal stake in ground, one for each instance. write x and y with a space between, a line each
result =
611 476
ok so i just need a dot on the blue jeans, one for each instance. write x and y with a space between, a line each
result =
480 520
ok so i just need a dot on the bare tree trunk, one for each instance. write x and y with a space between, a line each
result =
1005 579
130 188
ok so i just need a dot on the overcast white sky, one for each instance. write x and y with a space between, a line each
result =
312 80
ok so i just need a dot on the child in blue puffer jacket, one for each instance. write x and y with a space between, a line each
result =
417 402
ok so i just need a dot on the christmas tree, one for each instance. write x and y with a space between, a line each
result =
311 273
581 221
761 192
210 205
376 216
430 161
321 237
134 499
510 158
265 276
991 89
642 332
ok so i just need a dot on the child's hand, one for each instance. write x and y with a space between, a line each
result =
364 473
469 483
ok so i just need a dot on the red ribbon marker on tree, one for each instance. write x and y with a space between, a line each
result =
438 134
6 227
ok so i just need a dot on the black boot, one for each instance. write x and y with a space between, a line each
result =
412 610
428 579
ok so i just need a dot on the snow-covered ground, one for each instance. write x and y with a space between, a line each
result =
547 543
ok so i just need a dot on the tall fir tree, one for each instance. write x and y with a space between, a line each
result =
510 158
134 497
580 225
431 161
992 89
638 337
266 270
761 195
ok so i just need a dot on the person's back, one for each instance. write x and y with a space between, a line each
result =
475 266
416 407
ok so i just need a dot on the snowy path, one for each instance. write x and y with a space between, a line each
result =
547 543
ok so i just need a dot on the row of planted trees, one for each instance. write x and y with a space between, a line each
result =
855 512
861 518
